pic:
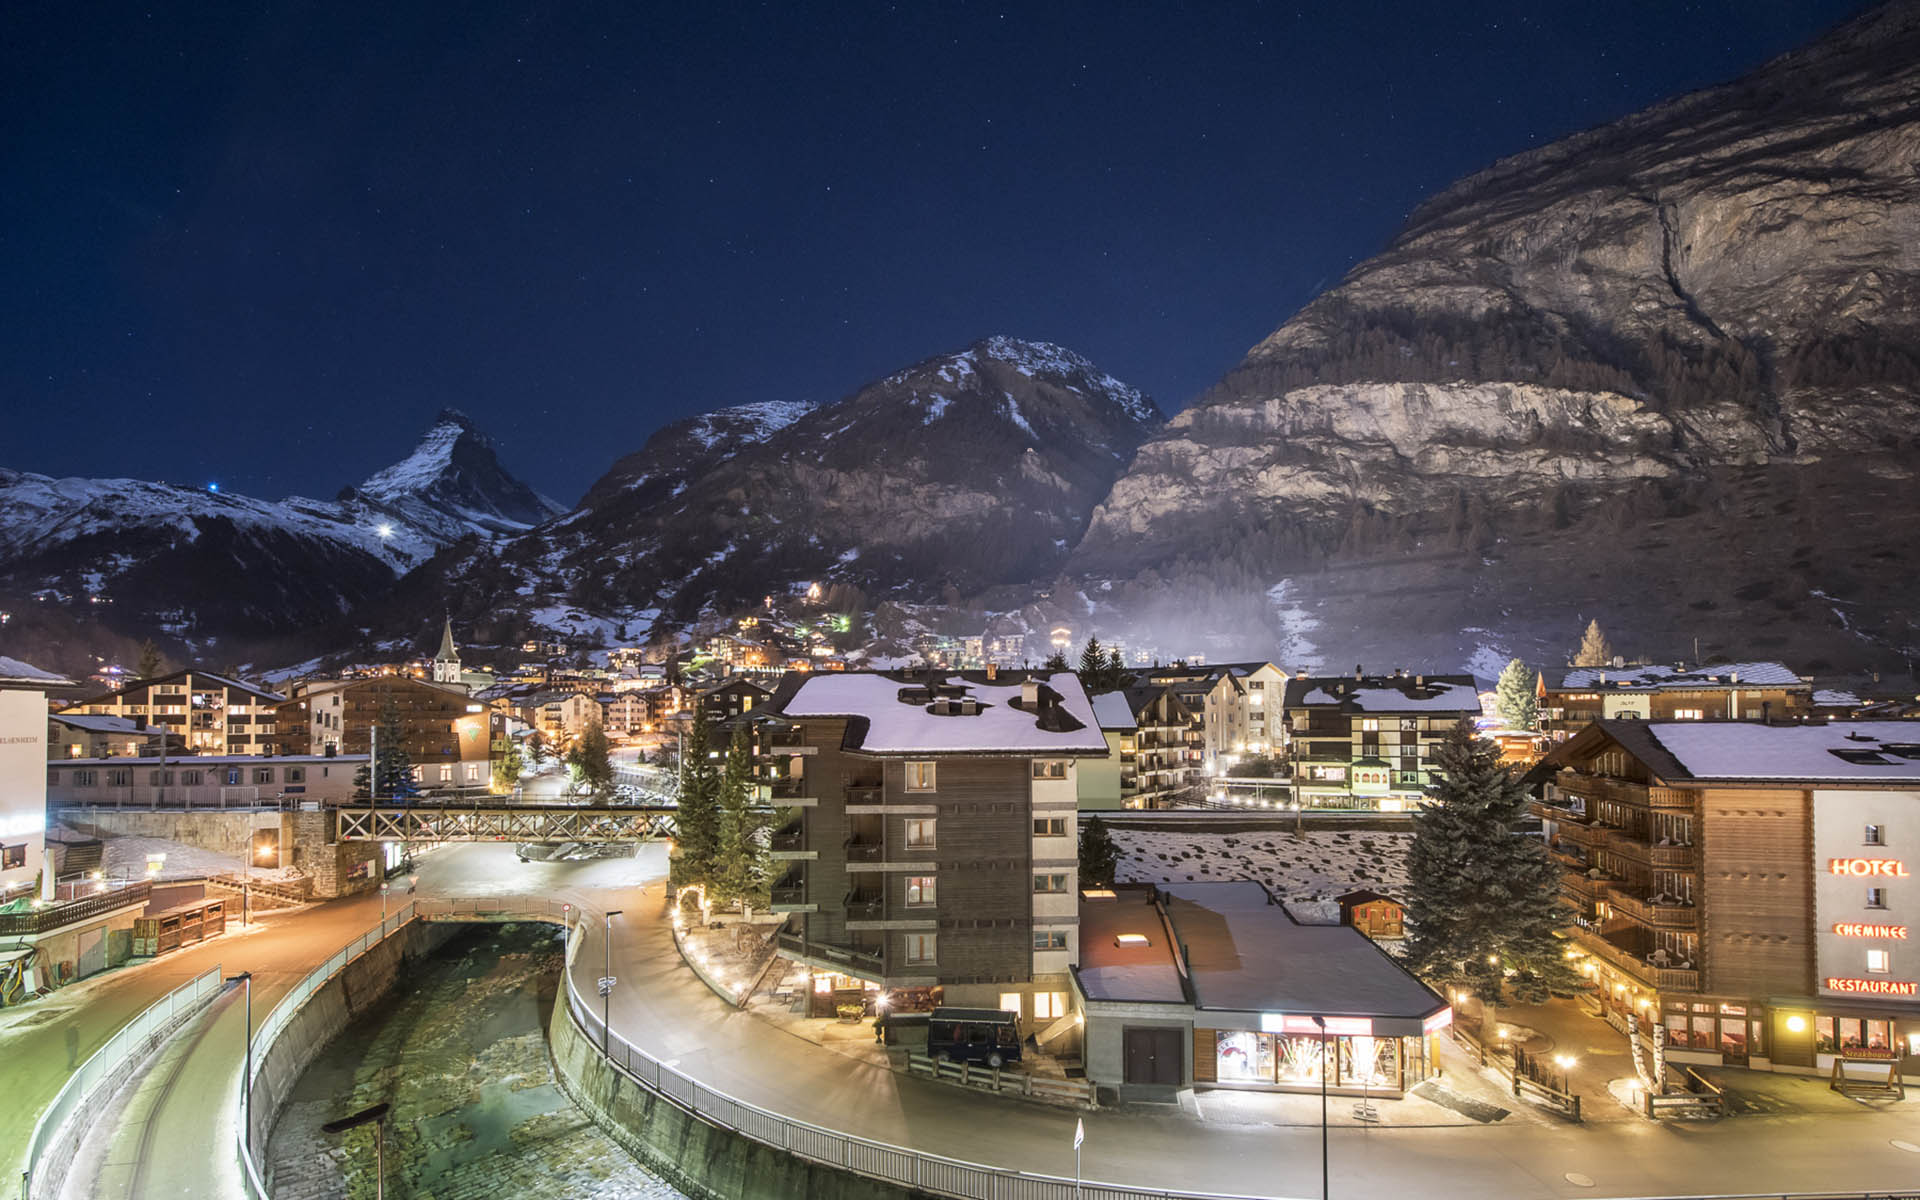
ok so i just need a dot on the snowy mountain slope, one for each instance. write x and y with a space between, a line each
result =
678 452
453 484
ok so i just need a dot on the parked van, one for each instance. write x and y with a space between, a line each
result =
976 1035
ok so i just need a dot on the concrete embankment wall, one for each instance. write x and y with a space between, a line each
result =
363 983
699 1158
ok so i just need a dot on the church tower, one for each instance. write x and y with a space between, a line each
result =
446 662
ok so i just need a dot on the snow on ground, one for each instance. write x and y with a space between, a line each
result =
1318 864
126 858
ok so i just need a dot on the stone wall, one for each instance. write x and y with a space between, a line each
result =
700 1159
228 832
337 868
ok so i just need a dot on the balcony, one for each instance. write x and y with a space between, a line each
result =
790 895
865 906
866 793
1578 883
789 793
862 851
1669 798
1666 979
1637 905
788 837
49 917
839 958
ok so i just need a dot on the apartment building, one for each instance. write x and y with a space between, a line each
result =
1234 702
1746 691
211 714
448 734
1366 741
23 781
928 837
1169 745
202 781
1746 887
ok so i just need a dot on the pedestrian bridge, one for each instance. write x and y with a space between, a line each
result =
504 821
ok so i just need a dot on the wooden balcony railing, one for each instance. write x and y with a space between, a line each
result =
56 916
1660 916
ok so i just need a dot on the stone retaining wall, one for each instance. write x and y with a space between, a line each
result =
362 983
699 1158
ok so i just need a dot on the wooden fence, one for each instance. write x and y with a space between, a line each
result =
996 1079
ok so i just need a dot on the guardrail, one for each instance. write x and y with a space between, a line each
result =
129 1043
283 1012
994 1079
69 912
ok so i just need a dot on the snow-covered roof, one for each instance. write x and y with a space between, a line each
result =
99 724
1656 678
1111 711
1137 973
13 671
1387 694
1850 751
894 726
1246 954
1829 698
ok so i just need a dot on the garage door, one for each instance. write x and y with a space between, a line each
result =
93 951
1153 1056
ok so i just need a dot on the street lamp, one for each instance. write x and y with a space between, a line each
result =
1322 1023
377 1115
606 983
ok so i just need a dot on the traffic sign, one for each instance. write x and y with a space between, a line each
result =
606 984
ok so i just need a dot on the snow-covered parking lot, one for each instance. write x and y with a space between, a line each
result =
1318 864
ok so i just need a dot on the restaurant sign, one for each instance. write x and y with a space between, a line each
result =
1872 987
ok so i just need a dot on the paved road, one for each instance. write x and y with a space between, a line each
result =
661 1007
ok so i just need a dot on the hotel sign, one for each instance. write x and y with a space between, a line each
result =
1882 867
1856 929
1873 987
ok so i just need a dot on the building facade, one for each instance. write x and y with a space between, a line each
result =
928 842
1745 887
1749 691
23 780
211 714
1366 741
202 781
448 734
1238 705
1169 744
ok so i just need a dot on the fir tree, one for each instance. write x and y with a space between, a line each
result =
591 759
1482 900
1594 649
1116 672
1057 661
537 747
392 773
507 768
150 660
740 868
698 822
1099 856
1514 698
1093 663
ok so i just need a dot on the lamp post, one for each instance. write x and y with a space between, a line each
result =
606 982
377 1115
1322 1023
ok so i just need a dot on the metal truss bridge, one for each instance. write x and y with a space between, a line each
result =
505 822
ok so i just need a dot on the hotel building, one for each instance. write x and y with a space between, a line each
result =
1747 887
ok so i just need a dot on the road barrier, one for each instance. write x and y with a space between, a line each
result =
994 1079
58 1129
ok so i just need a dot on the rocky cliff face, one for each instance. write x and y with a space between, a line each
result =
1682 350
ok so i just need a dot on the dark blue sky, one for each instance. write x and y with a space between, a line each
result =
264 246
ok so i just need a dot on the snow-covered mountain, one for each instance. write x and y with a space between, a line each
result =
203 564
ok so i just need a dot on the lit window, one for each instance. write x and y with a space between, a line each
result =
920 833
1049 768
1010 1002
1049 1006
1370 724
1879 962
1130 939
920 889
919 776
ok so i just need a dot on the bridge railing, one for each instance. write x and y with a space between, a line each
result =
56 1132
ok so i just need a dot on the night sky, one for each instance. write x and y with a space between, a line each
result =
264 246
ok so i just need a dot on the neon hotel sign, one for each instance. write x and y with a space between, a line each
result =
1885 868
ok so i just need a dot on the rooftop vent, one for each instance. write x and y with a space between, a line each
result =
1130 939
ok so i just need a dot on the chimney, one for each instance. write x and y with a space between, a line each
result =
993 671
1419 681
1356 672
1735 677
1300 673
1030 694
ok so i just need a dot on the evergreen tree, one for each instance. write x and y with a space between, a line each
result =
1057 661
537 747
591 759
1514 698
1099 856
1093 663
507 768
1482 900
1594 649
392 774
741 866
150 660
698 822
1116 677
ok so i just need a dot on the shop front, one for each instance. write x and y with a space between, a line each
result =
1809 1036
1292 1060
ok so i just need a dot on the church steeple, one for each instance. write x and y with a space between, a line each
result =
446 662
